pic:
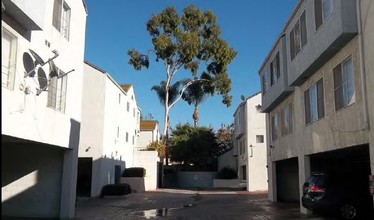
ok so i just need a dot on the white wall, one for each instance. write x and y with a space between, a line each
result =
256 125
105 123
27 116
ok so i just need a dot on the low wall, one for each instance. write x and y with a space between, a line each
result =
136 183
196 179
226 183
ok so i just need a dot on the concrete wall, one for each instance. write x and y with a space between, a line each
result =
227 160
148 160
256 152
32 177
145 138
367 26
337 129
323 43
196 179
275 93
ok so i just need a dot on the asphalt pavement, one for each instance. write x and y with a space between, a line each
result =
189 205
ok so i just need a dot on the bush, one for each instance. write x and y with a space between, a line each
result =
115 190
134 172
227 173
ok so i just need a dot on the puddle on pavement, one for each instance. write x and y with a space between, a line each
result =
154 213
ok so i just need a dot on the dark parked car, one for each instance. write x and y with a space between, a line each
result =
344 195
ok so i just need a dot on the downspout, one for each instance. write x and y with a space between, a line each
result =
362 65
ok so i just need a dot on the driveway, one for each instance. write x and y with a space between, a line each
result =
188 204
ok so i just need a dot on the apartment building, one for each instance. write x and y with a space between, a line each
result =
149 132
250 143
109 133
317 95
42 73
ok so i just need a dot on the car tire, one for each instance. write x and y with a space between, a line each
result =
348 211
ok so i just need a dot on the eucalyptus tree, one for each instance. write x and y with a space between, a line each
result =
189 43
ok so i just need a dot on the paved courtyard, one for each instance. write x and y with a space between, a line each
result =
188 204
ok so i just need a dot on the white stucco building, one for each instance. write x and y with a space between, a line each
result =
42 73
149 132
109 133
250 143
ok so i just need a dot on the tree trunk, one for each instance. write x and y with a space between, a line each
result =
195 115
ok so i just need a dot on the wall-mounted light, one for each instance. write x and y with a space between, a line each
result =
270 148
88 148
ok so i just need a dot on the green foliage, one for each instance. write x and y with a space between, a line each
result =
194 146
134 172
157 146
115 190
227 173
191 41
161 91
224 137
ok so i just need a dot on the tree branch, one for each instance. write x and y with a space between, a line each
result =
184 89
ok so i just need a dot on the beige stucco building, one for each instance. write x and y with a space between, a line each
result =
42 73
316 91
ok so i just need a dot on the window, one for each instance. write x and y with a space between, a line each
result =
61 17
244 172
128 107
119 98
274 70
117 132
259 138
298 36
8 58
133 140
274 127
344 87
322 10
133 112
57 92
314 103
127 137
287 120
265 82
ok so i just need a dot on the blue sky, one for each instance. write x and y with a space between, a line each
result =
249 26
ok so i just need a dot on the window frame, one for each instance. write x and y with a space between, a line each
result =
298 36
8 76
320 16
289 120
61 18
274 70
57 92
343 83
260 138
314 100
274 120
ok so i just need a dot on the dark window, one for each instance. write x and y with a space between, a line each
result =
274 69
314 102
298 36
344 88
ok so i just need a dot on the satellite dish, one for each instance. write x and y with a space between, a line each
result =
43 81
53 70
28 64
242 97
38 59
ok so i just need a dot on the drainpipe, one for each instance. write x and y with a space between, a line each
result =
362 65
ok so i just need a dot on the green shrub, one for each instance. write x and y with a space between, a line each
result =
115 190
134 172
227 173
